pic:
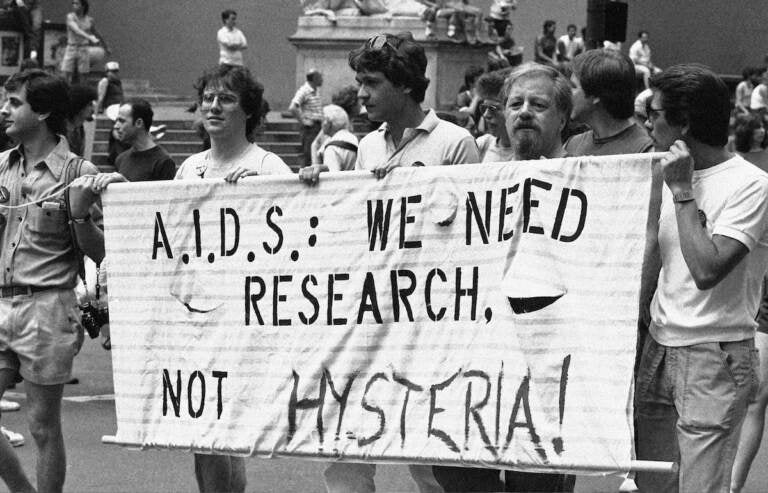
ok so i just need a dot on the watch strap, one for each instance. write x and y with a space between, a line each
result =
684 196
81 220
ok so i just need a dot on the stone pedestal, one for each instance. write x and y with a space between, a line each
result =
324 45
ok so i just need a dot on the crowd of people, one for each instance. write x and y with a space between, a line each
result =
699 394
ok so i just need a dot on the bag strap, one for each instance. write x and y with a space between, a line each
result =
344 145
72 170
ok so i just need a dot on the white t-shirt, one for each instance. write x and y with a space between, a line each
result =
492 152
201 166
226 55
639 53
758 99
732 198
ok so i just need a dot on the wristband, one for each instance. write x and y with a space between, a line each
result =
684 196
81 220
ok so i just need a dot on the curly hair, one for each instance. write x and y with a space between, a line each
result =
238 80
401 60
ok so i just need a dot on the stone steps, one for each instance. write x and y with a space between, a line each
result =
279 135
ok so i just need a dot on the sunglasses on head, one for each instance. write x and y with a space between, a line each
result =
378 42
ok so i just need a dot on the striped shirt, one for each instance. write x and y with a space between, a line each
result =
308 101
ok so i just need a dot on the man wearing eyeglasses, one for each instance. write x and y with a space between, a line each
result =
494 145
603 83
230 106
697 370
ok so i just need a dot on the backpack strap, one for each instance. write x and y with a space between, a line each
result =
72 170
343 144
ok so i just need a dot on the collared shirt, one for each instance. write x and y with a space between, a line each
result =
307 98
433 143
36 246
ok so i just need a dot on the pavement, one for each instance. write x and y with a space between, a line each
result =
89 414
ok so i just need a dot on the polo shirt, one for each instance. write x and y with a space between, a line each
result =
36 247
434 142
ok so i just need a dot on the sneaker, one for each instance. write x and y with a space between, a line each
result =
7 406
15 439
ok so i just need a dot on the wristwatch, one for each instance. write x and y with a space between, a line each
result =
81 220
684 196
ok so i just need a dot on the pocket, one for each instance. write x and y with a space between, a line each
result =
48 225
739 360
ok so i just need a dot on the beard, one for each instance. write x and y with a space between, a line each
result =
527 146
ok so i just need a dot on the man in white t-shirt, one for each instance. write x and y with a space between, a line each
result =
569 45
231 40
758 101
697 369
640 53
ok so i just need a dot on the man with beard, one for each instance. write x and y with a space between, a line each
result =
538 106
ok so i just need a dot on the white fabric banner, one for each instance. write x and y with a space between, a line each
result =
481 314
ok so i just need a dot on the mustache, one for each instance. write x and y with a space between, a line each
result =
525 126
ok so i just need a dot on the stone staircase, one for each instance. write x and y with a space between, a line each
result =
180 140
280 135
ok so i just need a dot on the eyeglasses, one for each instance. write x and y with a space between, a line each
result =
492 109
652 112
223 98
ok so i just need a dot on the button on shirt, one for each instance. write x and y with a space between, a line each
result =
434 142
36 248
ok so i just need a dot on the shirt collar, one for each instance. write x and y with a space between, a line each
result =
55 161
431 120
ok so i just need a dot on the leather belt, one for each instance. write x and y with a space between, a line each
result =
11 291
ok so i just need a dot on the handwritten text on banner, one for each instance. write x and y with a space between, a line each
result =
481 313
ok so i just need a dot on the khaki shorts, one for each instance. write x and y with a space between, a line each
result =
76 56
40 334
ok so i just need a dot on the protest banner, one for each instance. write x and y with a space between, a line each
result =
477 314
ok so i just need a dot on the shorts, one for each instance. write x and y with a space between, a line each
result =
76 54
40 334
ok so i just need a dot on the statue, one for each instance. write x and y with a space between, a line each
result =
498 20
462 19
331 9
